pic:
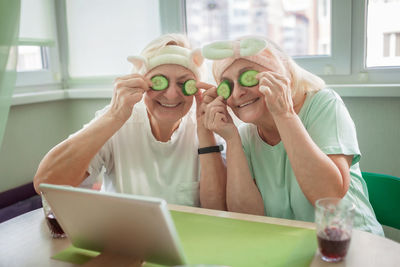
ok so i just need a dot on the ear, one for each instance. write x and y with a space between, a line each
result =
138 62
196 57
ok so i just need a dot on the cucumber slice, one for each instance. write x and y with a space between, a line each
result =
159 83
248 78
224 89
189 87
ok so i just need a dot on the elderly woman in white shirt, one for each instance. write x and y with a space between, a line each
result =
149 138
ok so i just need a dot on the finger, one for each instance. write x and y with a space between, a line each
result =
265 77
204 85
210 95
199 97
212 91
132 76
262 78
280 77
135 98
220 100
217 102
207 99
127 95
218 121
217 109
276 78
264 81
261 75
199 100
148 81
128 76
275 83
266 90
220 117
126 92
132 83
202 109
208 117
136 91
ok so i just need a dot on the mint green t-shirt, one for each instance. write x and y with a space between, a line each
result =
329 124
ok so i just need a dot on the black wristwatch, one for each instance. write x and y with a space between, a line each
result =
210 149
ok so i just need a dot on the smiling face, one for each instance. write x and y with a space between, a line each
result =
247 103
169 105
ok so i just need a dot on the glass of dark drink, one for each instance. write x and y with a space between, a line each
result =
334 222
55 229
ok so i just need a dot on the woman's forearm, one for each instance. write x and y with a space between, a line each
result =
213 174
242 192
316 173
67 163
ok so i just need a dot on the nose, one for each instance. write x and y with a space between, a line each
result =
173 91
238 90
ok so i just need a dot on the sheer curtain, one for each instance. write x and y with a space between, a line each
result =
9 27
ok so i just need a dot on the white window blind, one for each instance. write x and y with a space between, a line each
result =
37 25
102 33
38 62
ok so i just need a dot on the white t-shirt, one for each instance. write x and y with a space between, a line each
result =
136 163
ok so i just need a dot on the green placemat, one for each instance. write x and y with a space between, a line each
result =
214 240
75 255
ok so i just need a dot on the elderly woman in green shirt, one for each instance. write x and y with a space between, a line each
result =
298 142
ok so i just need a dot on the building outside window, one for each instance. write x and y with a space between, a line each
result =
300 27
383 33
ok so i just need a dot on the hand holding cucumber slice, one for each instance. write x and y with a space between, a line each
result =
248 78
159 83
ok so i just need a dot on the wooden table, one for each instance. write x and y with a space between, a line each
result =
25 241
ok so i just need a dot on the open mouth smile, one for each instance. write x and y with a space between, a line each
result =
248 103
168 105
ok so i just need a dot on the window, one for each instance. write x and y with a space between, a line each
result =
391 44
37 45
31 58
383 33
103 33
303 28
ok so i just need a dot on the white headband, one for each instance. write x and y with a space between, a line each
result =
224 53
170 54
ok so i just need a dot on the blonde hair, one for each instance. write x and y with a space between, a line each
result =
173 39
302 80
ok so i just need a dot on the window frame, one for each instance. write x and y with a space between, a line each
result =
337 62
48 78
377 77
346 66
